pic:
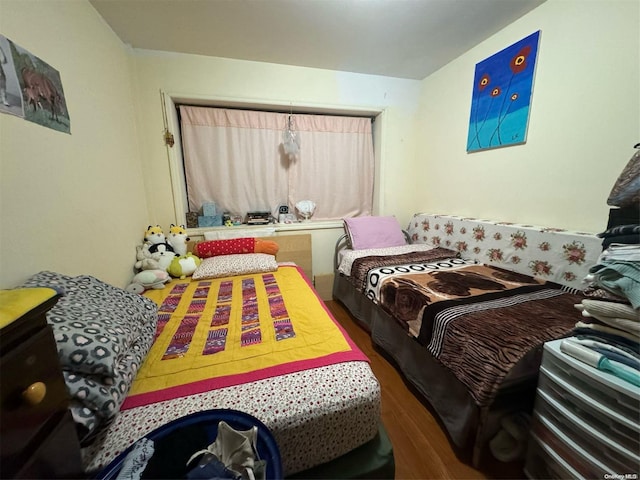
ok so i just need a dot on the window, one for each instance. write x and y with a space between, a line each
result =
236 159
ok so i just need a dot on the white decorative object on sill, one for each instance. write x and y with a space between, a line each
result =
306 208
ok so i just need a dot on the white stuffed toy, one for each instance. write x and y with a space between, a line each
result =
144 260
148 279
178 239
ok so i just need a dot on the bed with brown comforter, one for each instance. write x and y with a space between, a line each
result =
467 335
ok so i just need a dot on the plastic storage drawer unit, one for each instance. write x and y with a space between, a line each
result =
585 421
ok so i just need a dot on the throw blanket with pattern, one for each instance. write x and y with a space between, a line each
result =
481 342
361 266
226 331
479 321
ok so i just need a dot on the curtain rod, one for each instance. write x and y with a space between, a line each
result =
305 111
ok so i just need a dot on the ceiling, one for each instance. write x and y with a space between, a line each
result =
397 38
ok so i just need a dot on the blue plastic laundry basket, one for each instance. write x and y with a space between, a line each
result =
205 424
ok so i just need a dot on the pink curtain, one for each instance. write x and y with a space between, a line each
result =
235 158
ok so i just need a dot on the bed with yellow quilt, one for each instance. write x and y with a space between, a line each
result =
261 342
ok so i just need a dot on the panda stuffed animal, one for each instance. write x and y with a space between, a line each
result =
163 253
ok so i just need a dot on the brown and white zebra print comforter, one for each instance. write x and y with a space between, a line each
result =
479 321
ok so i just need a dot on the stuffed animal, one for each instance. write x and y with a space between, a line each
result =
184 265
163 253
144 259
154 235
178 239
148 279
154 256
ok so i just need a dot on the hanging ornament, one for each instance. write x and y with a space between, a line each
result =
290 139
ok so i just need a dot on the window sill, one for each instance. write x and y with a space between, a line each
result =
277 227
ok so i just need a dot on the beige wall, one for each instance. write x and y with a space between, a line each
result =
77 203
71 203
243 81
584 121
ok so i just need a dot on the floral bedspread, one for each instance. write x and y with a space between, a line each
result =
558 255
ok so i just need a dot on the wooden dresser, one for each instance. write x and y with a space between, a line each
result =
37 434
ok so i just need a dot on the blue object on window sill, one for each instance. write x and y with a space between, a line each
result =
209 221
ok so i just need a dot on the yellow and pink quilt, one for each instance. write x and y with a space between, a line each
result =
227 331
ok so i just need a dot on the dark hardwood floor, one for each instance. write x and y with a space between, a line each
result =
421 449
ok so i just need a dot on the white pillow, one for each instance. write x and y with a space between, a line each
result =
237 264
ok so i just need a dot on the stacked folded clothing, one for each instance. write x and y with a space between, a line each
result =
610 322
621 234
611 330
618 316
608 335
618 273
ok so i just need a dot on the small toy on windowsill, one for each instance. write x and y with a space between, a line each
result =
306 209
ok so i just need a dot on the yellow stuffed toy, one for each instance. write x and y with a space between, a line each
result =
178 239
154 235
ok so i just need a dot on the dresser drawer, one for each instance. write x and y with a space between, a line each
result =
604 388
566 452
598 440
624 428
21 423
543 462
57 456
